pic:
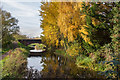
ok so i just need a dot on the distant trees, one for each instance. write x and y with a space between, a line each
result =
18 36
9 27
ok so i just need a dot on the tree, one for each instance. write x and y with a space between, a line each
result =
0 29
69 23
72 24
116 38
18 36
9 27
49 23
97 18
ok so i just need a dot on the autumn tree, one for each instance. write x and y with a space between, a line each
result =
72 24
82 24
64 23
49 16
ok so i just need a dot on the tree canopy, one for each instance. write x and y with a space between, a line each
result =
9 27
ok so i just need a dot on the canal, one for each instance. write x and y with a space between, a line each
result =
51 66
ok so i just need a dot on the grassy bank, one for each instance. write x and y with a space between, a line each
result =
14 64
93 61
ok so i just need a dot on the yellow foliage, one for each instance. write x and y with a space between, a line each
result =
71 22
61 42
95 22
49 23
83 30
57 42
64 20
73 50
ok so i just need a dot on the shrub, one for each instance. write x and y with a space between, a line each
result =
20 45
87 62
14 66
73 50
22 51
83 61
37 46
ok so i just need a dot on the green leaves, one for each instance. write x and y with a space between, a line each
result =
37 46
9 27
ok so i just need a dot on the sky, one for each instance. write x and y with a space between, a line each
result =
28 16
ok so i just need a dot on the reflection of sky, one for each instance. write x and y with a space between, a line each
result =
35 63
28 15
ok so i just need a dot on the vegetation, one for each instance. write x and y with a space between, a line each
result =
18 36
37 46
11 68
63 68
9 27
14 63
88 31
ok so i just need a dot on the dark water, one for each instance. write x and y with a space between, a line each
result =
52 66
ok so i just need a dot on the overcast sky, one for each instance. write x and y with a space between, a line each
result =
28 15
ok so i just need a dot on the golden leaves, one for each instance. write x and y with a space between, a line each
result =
95 22
61 42
84 34
65 20
73 50
49 23
83 30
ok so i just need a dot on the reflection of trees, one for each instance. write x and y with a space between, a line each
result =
32 74
52 67
58 67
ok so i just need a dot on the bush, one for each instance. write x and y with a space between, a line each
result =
73 50
20 45
87 62
83 61
14 66
37 46
22 51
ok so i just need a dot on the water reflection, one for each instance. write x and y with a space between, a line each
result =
52 66
34 62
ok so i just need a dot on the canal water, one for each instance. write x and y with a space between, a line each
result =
51 66
34 62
